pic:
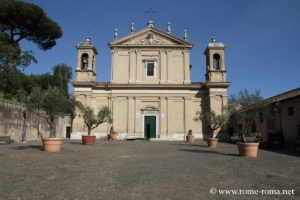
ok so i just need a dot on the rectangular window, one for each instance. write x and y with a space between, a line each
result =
150 69
291 111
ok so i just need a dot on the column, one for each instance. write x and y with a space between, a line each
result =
163 66
169 66
78 67
131 115
138 117
167 115
112 65
163 116
186 66
132 65
139 69
188 113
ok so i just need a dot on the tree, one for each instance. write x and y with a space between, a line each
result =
62 75
11 55
243 108
53 103
212 121
22 20
93 120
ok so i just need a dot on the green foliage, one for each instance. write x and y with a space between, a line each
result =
212 120
22 20
11 55
34 100
243 108
52 102
93 120
62 74
10 82
14 82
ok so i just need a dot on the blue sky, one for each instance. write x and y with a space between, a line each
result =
261 36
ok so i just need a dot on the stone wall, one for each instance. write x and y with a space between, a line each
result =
13 123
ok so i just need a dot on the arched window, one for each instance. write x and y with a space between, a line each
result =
216 62
84 61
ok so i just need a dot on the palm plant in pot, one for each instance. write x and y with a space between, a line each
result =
214 124
243 108
93 120
52 103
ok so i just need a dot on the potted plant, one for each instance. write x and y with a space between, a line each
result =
214 123
112 136
52 103
243 108
93 120
190 137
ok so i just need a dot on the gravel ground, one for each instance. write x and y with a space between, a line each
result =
142 170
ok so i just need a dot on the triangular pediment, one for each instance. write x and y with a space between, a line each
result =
150 37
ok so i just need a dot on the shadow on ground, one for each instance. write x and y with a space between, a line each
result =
37 147
190 145
290 152
208 152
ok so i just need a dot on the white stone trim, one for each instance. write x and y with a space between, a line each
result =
154 69
124 136
141 91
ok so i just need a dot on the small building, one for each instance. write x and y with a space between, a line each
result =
282 114
150 92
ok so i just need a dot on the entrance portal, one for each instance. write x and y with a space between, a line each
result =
150 127
68 132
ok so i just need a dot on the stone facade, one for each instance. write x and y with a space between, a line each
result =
30 126
282 113
150 93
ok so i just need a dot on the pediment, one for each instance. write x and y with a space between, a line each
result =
150 37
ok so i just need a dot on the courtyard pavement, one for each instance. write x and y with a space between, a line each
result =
143 170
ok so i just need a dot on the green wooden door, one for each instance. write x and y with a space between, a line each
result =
150 127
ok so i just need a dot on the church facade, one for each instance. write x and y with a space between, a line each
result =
150 93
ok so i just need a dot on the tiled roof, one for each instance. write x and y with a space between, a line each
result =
285 96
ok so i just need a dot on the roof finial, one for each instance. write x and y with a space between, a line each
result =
88 40
169 28
150 23
116 34
185 36
213 39
132 27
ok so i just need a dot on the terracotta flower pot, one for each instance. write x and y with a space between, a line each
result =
88 139
190 138
248 149
212 142
52 144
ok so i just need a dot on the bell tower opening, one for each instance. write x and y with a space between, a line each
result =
84 61
216 62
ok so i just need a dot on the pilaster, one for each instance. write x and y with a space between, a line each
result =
131 115
163 116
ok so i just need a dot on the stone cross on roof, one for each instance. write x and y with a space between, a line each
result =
151 12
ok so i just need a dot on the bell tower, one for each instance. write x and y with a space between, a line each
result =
215 65
216 81
86 61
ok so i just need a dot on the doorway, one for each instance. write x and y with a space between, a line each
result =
150 127
68 132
